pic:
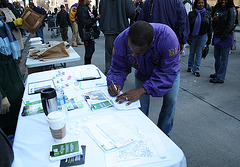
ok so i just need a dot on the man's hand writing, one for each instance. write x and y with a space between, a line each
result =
112 90
131 96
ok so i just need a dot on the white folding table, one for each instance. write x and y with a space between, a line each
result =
34 63
33 138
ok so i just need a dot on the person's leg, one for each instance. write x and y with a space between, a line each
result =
66 34
192 53
89 50
199 47
39 33
166 116
62 33
74 33
78 40
144 99
109 40
217 52
92 48
224 54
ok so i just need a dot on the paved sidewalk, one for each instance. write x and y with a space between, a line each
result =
207 119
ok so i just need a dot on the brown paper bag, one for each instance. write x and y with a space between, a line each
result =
56 52
31 20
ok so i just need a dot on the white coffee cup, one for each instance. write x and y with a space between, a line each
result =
56 121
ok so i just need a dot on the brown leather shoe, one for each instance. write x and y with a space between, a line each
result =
81 43
74 45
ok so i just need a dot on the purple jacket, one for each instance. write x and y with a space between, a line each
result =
170 12
158 68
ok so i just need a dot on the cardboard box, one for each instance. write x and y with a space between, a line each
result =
31 20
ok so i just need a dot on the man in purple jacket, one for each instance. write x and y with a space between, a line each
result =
154 51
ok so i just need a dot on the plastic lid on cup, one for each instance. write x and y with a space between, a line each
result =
56 116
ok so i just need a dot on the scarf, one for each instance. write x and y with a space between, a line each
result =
197 23
8 43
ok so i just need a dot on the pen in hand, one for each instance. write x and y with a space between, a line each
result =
114 86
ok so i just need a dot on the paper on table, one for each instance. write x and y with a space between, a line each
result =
32 107
123 105
142 151
96 99
36 87
110 131
91 84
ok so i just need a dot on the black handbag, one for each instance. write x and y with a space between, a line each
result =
205 51
93 33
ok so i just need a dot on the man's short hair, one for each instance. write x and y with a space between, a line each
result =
31 4
141 33
62 6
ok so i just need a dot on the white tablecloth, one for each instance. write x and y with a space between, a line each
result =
33 138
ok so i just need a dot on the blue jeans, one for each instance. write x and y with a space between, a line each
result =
221 62
196 47
39 33
166 116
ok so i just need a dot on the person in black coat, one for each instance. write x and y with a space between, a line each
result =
6 152
11 80
223 26
63 21
86 20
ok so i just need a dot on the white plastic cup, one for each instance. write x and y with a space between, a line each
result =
56 121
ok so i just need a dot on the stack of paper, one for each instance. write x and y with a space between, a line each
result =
110 131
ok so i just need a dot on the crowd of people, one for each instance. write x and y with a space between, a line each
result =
151 43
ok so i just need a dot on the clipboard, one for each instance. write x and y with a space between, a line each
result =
89 74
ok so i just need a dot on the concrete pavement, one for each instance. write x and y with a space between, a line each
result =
207 118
